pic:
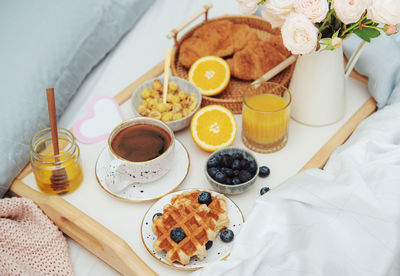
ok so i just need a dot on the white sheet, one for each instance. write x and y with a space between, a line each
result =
343 220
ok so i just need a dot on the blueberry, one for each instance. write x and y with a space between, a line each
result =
226 235
252 167
236 180
236 164
220 177
204 198
237 156
157 214
209 245
212 162
264 171
212 171
264 190
226 160
228 181
244 163
244 176
228 171
177 234
236 172
218 156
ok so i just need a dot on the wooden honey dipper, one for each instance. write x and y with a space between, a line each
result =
59 177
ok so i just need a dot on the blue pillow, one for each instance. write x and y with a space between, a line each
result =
47 43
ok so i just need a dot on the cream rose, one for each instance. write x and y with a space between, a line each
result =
350 11
315 10
248 7
299 34
385 12
276 11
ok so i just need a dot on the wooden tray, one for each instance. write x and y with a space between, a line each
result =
231 98
109 247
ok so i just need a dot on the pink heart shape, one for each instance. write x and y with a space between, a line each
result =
102 115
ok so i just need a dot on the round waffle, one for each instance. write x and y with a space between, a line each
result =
200 223
219 249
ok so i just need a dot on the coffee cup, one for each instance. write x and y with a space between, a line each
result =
141 150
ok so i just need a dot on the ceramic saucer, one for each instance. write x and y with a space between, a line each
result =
148 191
219 250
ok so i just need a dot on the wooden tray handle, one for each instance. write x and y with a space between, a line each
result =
174 33
86 231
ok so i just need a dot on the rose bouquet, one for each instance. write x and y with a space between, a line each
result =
308 25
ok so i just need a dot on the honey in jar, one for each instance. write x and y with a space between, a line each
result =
56 174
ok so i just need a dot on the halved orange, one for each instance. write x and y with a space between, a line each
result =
213 127
210 74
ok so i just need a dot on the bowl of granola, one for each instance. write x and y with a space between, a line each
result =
183 100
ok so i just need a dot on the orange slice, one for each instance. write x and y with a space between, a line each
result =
210 74
213 127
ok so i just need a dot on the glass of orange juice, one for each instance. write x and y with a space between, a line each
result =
265 117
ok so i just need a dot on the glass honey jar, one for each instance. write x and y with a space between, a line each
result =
56 174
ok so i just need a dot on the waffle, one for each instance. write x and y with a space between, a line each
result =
201 223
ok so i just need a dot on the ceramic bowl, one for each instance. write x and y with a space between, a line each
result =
183 85
232 189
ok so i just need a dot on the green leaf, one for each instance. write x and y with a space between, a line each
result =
367 33
335 35
372 33
325 41
330 47
262 2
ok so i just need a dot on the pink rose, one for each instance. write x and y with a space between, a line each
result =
315 10
390 29
248 7
299 34
384 11
276 11
350 11
337 42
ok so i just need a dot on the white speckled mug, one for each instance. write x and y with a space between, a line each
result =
141 151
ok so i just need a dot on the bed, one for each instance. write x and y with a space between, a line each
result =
139 50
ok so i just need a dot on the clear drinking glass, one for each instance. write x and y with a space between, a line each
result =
265 117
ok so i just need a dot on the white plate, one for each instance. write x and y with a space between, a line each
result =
219 249
153 190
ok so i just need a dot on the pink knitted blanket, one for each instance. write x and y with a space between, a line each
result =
30 244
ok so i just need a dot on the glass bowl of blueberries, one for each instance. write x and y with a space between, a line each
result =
231 170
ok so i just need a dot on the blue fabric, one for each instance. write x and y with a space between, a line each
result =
46 43
380 62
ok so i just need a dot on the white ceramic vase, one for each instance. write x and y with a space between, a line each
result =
317 88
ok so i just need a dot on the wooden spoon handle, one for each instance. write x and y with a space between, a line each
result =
86 231
52 117
167 63
274 71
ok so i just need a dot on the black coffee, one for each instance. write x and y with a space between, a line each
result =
140 142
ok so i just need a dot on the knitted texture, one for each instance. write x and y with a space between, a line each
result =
30 244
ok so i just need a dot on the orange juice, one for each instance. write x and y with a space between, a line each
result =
265 119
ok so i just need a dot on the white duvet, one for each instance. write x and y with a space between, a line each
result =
343 220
